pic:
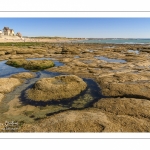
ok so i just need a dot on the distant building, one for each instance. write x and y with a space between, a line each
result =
19 34
1 32
7 31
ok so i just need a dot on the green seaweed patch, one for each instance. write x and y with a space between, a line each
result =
31 64
16 62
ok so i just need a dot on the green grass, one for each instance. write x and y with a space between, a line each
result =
22 44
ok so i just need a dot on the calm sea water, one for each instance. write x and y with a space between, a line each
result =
117 41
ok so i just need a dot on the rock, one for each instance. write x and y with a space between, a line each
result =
88 120
56 88
2 53
25 51
133 85
70 50
145 50
16 57
1 97
31 64
145 63
79 63
125 106
134 90
66 60
24 75
8 84
71 121
16 62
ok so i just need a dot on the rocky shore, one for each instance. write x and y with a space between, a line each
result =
31 64
56 88
122 71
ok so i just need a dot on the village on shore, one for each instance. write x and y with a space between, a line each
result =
8 35
9 32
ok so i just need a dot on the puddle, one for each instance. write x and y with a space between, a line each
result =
134 51
76 56
87 61
89 50
109 47
110 60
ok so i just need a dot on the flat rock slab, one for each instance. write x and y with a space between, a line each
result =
139 108
31 64
24 75
132 85
1 97
88 120
71 121
56 88
131 90
8 84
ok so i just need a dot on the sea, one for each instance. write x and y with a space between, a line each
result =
116 41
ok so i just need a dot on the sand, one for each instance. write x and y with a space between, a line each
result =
5 39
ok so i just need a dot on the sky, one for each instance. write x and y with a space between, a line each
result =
80 27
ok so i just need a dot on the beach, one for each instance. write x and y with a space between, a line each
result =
5 39
113 79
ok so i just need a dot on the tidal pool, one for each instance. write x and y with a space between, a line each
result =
90 50
76 56
87 61
110 60
6 70
134 51
16 107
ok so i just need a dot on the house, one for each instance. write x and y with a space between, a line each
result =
1 32
7 31
19 34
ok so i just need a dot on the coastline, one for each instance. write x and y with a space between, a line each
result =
121 73
6 39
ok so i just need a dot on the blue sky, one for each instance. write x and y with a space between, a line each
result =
80 27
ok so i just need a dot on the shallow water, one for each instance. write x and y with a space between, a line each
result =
6 70
57 63
110 60
90 50
76 56
116 41
87 61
